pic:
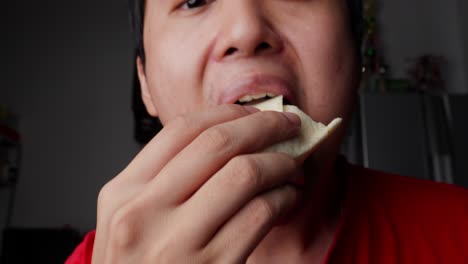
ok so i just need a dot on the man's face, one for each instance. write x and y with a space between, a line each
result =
221 50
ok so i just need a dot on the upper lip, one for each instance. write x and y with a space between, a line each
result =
256 84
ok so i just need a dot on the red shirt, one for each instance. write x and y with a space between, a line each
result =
394 219
386 219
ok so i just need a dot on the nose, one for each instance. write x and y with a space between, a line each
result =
245 31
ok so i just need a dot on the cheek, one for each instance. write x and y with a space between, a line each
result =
173 64
327 64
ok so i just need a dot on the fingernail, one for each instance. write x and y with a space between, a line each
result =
251 109
293 118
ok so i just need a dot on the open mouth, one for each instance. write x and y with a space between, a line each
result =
258 98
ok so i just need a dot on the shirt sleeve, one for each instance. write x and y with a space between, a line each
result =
84 252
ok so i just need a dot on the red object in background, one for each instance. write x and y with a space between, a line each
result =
10 133
425 72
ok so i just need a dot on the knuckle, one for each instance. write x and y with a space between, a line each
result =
106 194
262 210
217 138
246 172
124 227
208 255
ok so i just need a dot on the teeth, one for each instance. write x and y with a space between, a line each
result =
245 99
249 98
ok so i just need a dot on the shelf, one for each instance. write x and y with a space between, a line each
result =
7 185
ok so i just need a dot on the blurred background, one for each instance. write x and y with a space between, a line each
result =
70 120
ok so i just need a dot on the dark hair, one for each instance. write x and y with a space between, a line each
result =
137 11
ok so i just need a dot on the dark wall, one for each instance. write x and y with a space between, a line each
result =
69 67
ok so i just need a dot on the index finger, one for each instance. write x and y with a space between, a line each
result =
176 135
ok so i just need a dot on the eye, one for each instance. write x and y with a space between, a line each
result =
190 4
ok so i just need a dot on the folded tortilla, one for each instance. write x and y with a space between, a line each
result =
311 135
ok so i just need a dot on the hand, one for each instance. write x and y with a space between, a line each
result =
199 192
